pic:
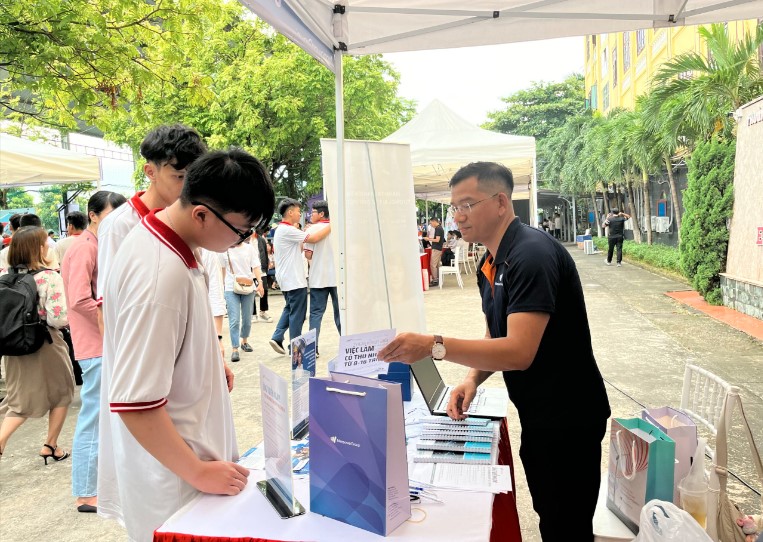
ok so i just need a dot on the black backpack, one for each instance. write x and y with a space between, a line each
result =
21 329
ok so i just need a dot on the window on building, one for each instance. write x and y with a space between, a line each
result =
626 51
640 41
604 63
593 98
605 97
614 67
587 49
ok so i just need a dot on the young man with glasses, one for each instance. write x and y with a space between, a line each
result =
290 270
166 431
538 337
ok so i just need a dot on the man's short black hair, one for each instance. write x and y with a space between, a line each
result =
231 181
615 211
485 171
285 204
102 199
30 219
77 220
176 142
15 221
434 218
321 206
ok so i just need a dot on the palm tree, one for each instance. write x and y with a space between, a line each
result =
719 84
620 165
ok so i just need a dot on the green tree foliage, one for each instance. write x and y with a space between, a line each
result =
708 202
15 198
52 197
703 90
70 60
536 111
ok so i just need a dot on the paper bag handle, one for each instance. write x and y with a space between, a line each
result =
632 475
347 392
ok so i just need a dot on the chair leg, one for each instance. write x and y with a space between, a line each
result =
460 281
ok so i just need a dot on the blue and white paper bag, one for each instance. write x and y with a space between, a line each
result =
358 462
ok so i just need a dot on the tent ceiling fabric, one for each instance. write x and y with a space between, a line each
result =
385 26
24 163
442 142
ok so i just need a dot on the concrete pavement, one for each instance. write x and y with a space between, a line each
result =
642 340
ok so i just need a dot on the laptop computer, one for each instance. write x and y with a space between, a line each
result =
491 403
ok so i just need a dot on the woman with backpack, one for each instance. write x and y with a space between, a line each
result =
39 382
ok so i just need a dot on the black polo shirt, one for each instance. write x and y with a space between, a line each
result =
535 273
438 232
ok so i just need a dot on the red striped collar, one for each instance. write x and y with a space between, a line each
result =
137 204
287 223
326 221
171 239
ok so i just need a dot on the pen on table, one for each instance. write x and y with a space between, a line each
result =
423 495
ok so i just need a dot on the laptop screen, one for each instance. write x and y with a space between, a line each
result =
429 380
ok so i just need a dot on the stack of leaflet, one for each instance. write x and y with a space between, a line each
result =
472 441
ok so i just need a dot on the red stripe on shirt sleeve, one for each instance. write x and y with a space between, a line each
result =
131 407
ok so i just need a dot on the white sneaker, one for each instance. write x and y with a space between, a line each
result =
255 319
619 265
264 317
608 263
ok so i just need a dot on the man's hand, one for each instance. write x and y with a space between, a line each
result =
229 376
407 348
220 478
461 398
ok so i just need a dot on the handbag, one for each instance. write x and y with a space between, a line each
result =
358 463
641 466
682 429
238 288
728 528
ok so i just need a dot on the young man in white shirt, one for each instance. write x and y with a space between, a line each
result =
290 271
76 223
168 151
322 278
166 426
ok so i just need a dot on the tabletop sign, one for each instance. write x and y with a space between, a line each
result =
760 236
278 486
357 353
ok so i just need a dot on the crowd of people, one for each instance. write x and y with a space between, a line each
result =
145 285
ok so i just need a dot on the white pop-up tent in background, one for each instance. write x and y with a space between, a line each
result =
25 163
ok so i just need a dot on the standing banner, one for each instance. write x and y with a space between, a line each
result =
358 462
641 466
682 429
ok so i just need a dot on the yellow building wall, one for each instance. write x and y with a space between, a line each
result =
659 45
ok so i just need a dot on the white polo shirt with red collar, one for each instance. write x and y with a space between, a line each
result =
322 272
112 232
287 249
160 351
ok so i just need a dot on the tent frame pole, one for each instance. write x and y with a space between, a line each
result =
340 192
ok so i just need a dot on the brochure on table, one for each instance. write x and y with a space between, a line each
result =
357 353
302 368
358 464
278 486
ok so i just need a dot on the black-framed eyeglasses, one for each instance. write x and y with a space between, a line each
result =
466 208
242 235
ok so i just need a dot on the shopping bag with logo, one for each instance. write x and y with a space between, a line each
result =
641 467
682 429
358 462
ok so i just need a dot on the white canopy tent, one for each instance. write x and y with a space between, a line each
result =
25 163
441 142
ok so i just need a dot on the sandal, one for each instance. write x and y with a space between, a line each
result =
52 454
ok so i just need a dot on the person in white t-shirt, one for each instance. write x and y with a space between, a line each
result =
167 429
211 262
322 279
168 151
241 264
76 223
290 271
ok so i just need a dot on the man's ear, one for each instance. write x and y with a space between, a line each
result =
149 170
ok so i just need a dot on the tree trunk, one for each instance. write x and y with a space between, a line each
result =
647 207
605 193
634 216
597 218
4 198
674 196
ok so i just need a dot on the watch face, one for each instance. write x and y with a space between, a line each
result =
438 351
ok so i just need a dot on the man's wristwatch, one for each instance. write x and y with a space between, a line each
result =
438 348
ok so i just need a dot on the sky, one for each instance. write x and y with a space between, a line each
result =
471 81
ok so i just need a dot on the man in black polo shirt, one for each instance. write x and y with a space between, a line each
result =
616 222
538 336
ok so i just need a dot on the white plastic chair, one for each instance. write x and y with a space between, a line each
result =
465 260
453 268
707 399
